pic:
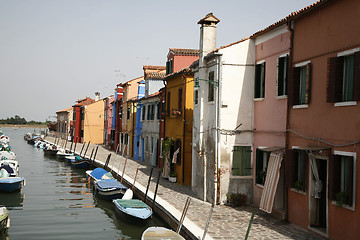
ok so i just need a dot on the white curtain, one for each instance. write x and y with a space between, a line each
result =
314 169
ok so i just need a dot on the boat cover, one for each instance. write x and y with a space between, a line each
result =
11 180
110 183
131 203
97 173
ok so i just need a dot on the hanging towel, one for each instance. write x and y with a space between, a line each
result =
174 159
318 182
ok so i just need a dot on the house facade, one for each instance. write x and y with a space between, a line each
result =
93 123
118 114
272 49
64 122
178 124
150 120
130 95
322 140
222 145
78 117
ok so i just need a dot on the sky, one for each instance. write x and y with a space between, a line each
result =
54 52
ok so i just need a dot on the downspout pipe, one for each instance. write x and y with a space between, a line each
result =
218 160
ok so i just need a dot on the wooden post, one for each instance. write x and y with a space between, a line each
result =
122 176
81 149
248 230
147 188
208 220
132 189
107 161
95 153
157 185
86 149
186 207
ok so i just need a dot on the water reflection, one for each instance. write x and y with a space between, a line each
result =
12 200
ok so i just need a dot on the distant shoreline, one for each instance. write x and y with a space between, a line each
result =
23 126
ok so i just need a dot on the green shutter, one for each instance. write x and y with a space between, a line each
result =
236 166
257 81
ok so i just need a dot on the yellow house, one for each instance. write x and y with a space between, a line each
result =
93 123
178 121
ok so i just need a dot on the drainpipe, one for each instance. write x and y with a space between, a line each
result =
217 196
184 126
291 30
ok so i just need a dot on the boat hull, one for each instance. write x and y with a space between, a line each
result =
11 184
160 233
80 164
136 215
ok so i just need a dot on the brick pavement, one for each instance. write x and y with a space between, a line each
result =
226 222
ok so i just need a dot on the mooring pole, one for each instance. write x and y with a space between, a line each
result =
86 149
132 189
92 151
208 220
75 145
82 149
122 176
157 185
248 230
147 188
71 145
107 161
95 154
186 207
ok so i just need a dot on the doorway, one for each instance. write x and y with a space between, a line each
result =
318 201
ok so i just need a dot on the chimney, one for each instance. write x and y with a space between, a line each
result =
207 36
97 96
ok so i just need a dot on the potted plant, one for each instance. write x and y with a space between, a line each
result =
299 186
172 176
342 198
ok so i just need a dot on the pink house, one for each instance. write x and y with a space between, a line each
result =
270 109
108 116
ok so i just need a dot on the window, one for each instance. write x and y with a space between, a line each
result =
152 116
262 160
158 110
299 169
180 98
177 145
196 97
343 178
120 112
143 112
344 78
82 115
211 87
241 164
169 67
126 139
259 80
148 112
81 133
128 113
302 84
283 64
112 135
168 102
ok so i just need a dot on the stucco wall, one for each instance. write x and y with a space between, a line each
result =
94 123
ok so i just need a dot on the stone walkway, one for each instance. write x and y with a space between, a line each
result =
225 223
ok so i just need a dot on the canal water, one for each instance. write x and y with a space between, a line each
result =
57 202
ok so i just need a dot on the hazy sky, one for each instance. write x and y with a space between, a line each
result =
53 52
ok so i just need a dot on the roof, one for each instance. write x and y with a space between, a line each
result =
182 71
84 102
156 94
155 75
130 81
65 110
184 51
151 67
209 18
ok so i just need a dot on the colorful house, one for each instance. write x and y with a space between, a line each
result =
64 122
178 123
323 119
272 49
130 95
109 122
78 117
118 114
93 123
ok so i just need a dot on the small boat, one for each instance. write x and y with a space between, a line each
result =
97 174
79 162
132 210
11 184
11 166
109 189
4 219
7 155
160 233
62 153
50 150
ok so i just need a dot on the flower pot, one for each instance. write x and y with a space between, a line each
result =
172 179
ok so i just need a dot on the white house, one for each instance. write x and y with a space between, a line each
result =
223 116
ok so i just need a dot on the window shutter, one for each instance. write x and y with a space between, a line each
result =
294 158
339 79
331 89
308 83
289 159
257 81
334 175
306 170
351 179
236 167
296 85
290 86
357 76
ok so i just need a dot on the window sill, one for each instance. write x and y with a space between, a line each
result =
300 106
298 191
241 177
344 206
259 185
258 99
281 97
344 104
